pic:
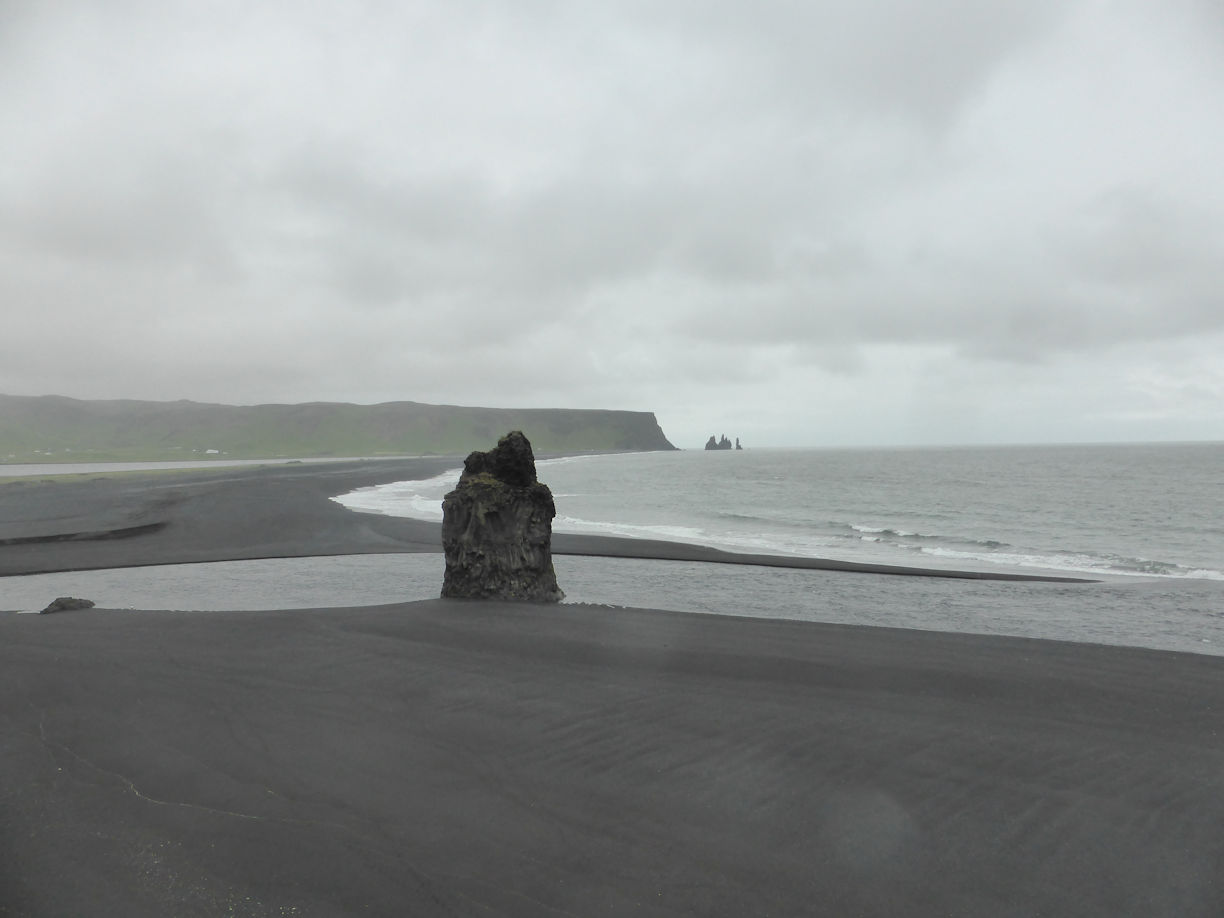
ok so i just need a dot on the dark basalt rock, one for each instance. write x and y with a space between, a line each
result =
67 604
497 528
723 443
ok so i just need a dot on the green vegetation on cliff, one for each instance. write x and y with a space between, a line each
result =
56 429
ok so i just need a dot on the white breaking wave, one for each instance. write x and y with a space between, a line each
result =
1078 564
629 530
418 500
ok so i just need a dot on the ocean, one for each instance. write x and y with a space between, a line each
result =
1146 520
1142 510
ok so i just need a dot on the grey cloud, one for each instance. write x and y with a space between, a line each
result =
919 60
631 205
108 210
1130 236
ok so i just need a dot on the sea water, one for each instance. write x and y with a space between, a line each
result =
1099 510
1147 520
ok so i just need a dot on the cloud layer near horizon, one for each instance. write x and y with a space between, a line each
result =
799 223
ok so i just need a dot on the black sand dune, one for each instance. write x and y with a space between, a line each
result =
447 758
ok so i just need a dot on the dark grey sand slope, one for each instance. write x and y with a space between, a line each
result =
443 758
218 515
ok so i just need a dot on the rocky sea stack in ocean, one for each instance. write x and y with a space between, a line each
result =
497 528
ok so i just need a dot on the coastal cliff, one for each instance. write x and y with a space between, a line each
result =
57 429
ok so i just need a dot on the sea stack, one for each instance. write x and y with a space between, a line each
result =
497 528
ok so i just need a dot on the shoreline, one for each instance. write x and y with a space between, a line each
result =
282 511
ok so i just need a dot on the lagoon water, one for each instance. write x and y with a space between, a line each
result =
1148 520
1165 613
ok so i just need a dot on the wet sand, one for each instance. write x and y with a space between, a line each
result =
450 758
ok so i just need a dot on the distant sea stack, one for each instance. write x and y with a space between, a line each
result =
56 429
722 443
497 528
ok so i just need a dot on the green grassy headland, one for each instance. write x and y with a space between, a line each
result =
56 429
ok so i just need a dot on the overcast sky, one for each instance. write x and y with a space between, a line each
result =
793 221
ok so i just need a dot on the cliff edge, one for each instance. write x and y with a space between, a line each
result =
57 429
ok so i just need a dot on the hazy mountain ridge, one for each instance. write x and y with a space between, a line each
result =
53 428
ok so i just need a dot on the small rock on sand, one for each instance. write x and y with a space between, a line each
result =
66 604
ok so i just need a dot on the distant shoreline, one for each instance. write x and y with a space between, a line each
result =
78 467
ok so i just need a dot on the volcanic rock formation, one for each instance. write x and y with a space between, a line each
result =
67 604
497 528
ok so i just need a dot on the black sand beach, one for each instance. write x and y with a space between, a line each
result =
448 758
